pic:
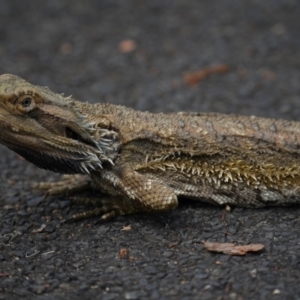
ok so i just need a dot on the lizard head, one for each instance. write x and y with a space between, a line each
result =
47 129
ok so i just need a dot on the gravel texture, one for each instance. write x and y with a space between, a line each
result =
74 47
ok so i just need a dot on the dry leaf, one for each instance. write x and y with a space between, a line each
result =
268 75
126 228
123 253
132 258
66 48
127 46
193 78
231 249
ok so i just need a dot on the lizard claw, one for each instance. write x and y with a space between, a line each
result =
98 211
106 207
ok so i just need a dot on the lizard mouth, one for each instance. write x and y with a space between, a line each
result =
62 159
69 164
69 152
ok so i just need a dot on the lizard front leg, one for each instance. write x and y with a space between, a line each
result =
68 184
129 192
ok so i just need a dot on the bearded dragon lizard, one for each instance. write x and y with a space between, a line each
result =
141 161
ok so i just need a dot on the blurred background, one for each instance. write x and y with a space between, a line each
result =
234 56
138 53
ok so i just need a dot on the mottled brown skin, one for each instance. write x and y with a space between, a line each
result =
143 161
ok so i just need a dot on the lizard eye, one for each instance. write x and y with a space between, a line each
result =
26 102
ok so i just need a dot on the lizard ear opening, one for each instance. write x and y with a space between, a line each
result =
71 133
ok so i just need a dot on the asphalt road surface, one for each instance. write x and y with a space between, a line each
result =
136 53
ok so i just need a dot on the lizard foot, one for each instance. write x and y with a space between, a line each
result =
68 184
107 207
